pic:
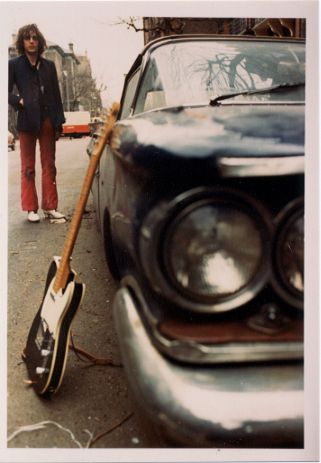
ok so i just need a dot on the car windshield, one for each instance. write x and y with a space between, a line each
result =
196 72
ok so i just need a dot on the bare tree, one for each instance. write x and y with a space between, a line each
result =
86 93
159 26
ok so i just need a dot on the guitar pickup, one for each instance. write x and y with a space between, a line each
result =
41 370
45 352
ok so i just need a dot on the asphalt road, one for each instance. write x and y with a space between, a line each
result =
93 405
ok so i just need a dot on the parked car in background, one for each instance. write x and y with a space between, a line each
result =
199 195
77 124
11 141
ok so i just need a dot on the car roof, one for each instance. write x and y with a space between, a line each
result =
184 37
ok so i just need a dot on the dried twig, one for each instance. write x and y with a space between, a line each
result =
115 426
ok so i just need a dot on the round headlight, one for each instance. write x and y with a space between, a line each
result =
213 252
289 256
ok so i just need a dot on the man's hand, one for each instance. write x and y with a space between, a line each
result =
58 132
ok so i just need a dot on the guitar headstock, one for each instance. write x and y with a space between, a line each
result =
101 137
114 110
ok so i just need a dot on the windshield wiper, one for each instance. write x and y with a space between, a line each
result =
216 101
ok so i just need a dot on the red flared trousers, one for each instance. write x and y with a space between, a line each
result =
47 143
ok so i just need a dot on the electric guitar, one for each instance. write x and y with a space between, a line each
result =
48 339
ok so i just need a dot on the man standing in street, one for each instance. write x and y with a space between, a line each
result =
40 117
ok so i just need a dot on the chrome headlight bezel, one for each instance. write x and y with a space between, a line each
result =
154 235
283 223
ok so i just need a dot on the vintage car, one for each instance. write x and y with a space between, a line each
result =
200 198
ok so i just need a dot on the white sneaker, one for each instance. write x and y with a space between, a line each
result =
53 214
33 216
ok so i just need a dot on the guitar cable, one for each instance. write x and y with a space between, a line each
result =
80 353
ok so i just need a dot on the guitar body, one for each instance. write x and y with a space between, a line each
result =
47 344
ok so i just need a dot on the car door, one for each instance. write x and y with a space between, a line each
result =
106 175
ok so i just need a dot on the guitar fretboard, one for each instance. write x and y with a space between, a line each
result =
64 266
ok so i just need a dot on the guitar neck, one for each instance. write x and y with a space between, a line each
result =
64 264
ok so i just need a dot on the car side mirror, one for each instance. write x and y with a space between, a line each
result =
112 115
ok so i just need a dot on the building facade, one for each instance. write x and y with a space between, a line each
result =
155 27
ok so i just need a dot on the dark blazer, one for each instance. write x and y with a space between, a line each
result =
28 82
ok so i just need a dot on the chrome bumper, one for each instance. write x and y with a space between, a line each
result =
218 406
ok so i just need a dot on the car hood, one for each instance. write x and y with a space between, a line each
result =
228 130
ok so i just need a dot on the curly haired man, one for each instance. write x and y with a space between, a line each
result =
34 93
